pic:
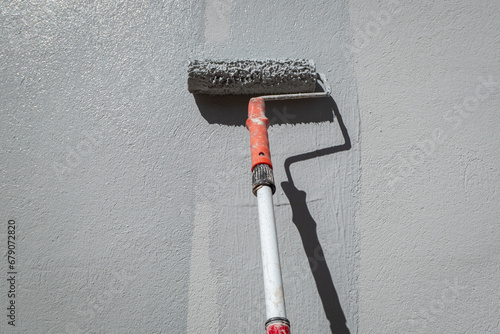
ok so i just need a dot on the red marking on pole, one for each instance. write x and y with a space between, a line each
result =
278 328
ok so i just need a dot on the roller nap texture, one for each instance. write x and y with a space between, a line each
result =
251 77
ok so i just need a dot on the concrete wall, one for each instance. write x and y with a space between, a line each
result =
428 78
131 197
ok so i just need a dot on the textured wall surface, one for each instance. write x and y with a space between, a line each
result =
428 77
132 198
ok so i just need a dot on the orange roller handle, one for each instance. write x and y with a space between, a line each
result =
257 123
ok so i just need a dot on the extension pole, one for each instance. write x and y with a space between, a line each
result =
263 187
273 286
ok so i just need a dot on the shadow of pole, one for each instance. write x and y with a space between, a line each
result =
307 229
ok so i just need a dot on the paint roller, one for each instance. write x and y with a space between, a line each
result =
278 79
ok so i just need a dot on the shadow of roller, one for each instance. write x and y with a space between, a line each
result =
307 229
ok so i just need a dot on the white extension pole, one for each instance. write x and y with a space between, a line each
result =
275 301
263 187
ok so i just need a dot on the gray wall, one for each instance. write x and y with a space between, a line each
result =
428 78
132 197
